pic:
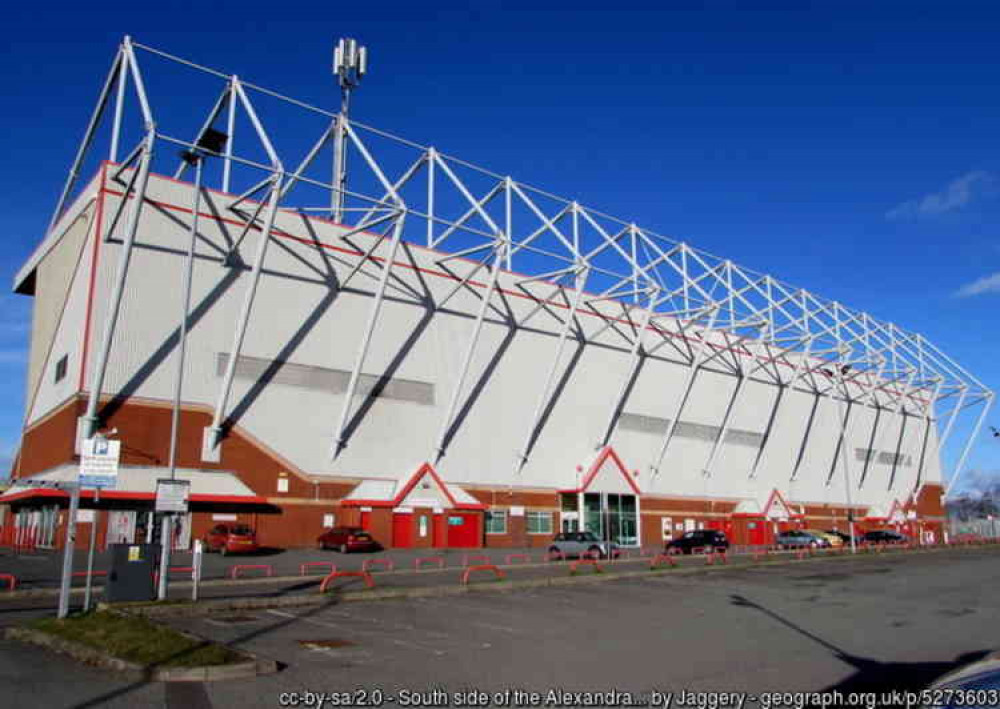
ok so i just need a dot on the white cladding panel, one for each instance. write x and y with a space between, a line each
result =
301 319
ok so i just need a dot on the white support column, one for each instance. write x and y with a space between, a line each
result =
213 434
697 359
470 351
227 163
359 360
546 390
959 467
118 69
431 176
634 354
929 423
87 426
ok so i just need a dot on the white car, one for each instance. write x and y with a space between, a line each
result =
582 543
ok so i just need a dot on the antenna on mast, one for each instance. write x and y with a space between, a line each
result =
350 64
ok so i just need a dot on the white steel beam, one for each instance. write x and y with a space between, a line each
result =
117 71
359 360
89 422
546 390
470 351
960 465
213 434
697 360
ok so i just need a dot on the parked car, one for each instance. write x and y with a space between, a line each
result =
581 543
800 538
885 536
698 538
834 539
346 539
844 536
231 539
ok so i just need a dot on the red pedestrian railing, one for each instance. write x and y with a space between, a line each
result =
521 558
305 568
434 560
234 571
468 559
717 554
585 562
370 564
364 575
661 558
481 567
11 580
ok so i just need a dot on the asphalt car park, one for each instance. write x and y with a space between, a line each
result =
870 623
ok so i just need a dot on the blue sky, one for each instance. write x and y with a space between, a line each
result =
847 147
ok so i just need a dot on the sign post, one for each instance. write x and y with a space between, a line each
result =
67 569
99 459
171 498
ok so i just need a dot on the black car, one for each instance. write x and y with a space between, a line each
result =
707 539
884 536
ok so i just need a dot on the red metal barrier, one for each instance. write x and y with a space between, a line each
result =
83 574
509 559
303 568
420 560
480 567
234 571
11 580
591 554
669 558
760 552
717 553
554 556
387 563
468 558
369 581
587 562
156 574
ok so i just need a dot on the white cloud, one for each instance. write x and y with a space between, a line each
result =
986 284
957 194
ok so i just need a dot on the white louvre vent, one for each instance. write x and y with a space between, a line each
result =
326 379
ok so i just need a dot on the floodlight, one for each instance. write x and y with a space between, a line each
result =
212 140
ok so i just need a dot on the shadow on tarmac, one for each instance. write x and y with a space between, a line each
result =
871 675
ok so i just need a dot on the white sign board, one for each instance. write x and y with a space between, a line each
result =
172 495
99 462
517 511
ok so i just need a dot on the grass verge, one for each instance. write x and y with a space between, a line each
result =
136 639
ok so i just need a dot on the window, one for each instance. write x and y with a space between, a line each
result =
61 367
496 521
539 522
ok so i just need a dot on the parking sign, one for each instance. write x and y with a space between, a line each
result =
99 462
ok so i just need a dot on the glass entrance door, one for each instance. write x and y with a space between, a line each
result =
612 517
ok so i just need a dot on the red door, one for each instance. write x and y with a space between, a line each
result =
439 536
366 520
402 529
463 529
757 532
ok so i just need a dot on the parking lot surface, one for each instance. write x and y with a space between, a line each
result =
872 623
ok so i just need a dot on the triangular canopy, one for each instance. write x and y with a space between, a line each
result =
608 474
424 489
777 509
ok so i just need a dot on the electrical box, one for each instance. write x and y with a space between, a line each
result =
130 577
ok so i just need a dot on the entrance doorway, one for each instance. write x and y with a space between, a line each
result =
610 516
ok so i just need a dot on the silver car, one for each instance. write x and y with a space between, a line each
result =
582 543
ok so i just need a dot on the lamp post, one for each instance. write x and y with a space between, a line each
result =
209 142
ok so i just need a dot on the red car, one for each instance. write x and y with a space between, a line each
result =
345 539
231 539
